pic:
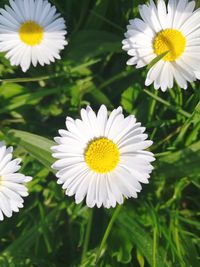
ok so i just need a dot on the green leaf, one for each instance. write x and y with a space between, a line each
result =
37 146
99 97
127 99
122 246
100 7
27 240
140 259
193 120
101 42
192 254
180 164
30 98
156 60
176 109
10 90
80 68
140 238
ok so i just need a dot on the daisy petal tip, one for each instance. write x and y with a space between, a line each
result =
148 82
28 179
89 109
103 107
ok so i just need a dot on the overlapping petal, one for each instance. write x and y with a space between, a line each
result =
44 14
12 184
107 189
139 39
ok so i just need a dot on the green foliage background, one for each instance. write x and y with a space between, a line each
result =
160 228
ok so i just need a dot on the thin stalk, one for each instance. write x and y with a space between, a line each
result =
154 246
107 232
114 25
87 235
177 239
47 77
115 78
30 79
167 104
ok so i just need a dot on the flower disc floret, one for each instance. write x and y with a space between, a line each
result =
171 41
31 33
165 38
102 155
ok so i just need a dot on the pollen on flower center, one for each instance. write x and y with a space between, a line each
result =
170 40
31 33
102 155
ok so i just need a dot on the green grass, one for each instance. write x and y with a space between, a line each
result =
161 227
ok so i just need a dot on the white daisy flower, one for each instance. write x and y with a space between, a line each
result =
172 28
31 32
12 188
102 157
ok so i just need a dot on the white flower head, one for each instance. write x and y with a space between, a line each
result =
12 184
172 28
31 32
102 157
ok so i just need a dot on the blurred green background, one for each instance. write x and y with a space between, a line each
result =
161 228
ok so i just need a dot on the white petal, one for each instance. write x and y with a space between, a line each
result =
42 13
102 189
12 184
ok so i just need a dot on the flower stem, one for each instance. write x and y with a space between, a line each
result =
107 232
87 235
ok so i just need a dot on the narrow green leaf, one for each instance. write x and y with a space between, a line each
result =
167 104
140 259
181 163
140 238
27 240
37 146
156 60
30 98
99 97
195 120
100 17
52 76
101 42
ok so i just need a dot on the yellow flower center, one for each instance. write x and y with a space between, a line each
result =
169 40
102 155
31 33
